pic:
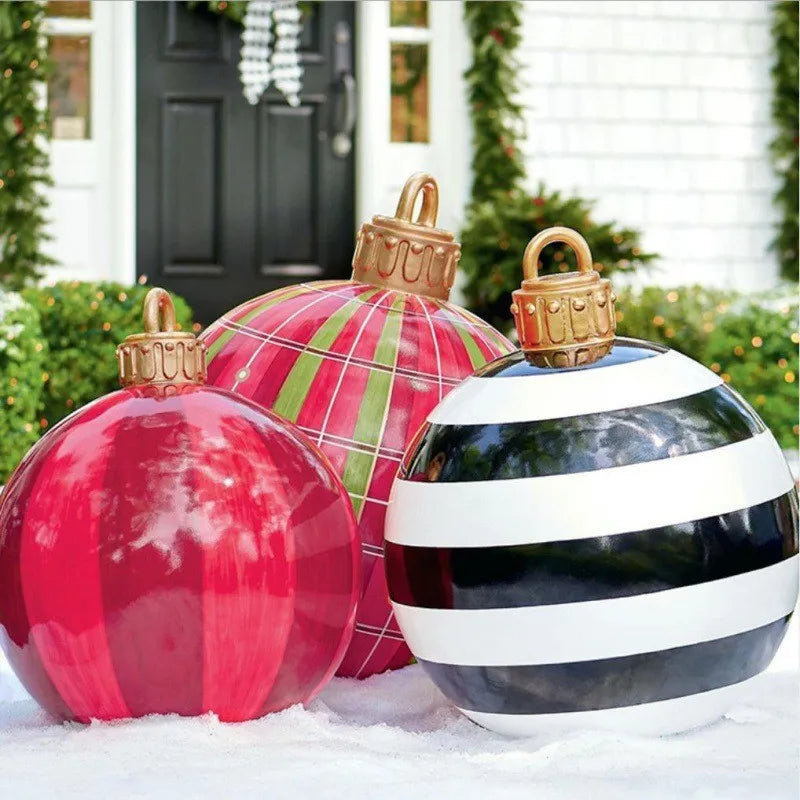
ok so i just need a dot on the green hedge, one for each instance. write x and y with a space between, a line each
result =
83 324
22 359
750 340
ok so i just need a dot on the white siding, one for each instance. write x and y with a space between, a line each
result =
660 111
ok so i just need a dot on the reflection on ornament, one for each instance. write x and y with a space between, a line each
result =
357 365
591 532
173 548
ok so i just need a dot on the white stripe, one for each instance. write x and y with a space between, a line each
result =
598 629
587 504
486 401
649 719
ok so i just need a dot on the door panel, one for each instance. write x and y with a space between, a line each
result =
191 217
234 200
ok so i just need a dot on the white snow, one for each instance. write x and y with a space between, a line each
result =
394 736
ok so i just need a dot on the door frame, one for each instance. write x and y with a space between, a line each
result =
123 198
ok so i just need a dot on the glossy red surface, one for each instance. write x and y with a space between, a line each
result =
183 553
358 368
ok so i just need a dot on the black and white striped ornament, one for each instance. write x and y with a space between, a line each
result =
607 545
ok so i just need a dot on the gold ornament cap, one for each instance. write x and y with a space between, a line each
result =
161 355
566 319
411 256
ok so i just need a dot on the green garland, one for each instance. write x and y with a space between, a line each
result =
502 217
784 146
492 88
24 162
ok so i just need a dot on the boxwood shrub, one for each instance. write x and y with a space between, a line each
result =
22 365
750 340
83 323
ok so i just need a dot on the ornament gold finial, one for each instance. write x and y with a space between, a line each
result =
161 354
410 255
566 319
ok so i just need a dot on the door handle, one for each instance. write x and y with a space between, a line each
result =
342 142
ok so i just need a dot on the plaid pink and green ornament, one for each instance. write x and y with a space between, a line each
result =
357 367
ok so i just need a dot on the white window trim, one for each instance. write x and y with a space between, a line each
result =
381 165
104 164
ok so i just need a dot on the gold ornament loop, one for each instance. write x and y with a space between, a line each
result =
530 260
566 319
419 182
159 311
404 255
161 355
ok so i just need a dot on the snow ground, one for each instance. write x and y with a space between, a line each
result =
394 736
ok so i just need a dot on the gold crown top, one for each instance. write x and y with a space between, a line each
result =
410 256
567 319
161 355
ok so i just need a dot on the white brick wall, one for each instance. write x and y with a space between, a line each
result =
660 111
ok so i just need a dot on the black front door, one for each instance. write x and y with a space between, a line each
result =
232 199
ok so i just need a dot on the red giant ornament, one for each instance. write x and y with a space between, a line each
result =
173 548
358 365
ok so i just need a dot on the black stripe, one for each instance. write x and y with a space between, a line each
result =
703 421
610 682
624 351
600 568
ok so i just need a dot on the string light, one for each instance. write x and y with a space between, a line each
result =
106 326
726 377
761 400
738 350
10 400
795 337
789 376
783 363
756 341
715 367
658 320
708 327
672 297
